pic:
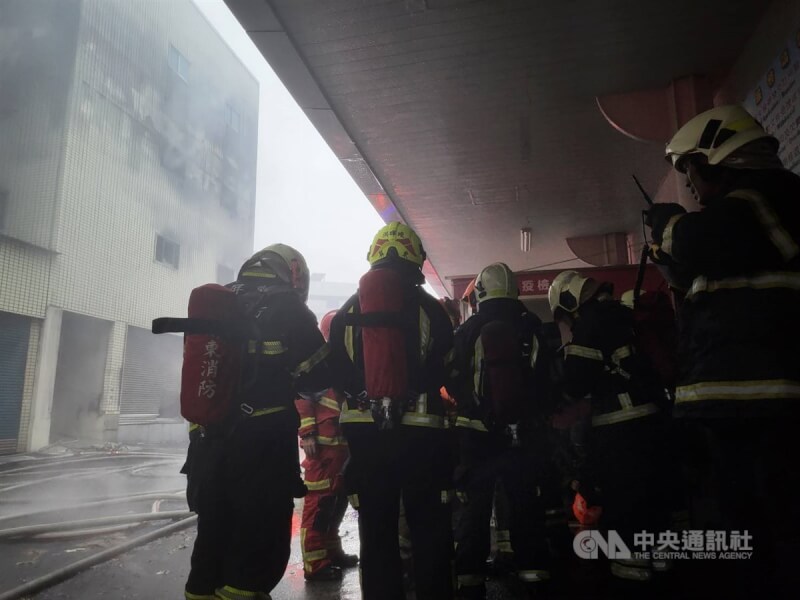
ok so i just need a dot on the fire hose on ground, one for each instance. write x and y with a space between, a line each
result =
64 573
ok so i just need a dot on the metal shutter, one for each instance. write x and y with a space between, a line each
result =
151 376
14 336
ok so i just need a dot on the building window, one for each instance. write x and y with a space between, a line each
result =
178 63
225 274
3 209
232 118
167 251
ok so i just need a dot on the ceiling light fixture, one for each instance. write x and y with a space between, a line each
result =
525 239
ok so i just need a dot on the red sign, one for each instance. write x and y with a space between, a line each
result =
536 283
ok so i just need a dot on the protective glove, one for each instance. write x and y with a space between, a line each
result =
659 215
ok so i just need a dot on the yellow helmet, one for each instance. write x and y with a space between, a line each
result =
495 281
396 241
569 290
716 134
278 263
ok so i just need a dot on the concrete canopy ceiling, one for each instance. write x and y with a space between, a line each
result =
474 118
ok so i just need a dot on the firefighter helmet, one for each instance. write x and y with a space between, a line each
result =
278 263
716 134
569 290
396 241
325 323
496 281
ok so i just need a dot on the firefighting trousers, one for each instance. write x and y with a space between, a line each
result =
625 473
415 463
746 479
524 482
245 509
323 507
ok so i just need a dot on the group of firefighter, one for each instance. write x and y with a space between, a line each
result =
398 413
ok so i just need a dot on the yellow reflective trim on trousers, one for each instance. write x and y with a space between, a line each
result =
266 411
470 580
504 547
629 572
779 279
626 414
315 486
625 401
666 235
779 237
193 427
308 422
330 403
349 345
738 390
312 361
533 575
353 500
310 557
356 416
475 424
583 352
418 420
621 353
503 535
331 441
229 592
269 348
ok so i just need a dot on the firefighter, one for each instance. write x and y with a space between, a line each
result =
738 259
324 506
244 524
398 446
498 426
622 467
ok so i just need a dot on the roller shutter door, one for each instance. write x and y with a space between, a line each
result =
14 337
151 376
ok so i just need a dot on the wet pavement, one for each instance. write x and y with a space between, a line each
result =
67 485
73 485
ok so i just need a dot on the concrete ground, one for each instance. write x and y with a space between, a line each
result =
157 570
65 482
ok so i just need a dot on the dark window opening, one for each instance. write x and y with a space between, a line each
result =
178 63
167 251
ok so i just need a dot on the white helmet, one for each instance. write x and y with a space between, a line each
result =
278 264
715 134
569 290
495 281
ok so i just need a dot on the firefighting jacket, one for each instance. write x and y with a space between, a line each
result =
474 412
288 359
740 322
432 336
601 363
320 419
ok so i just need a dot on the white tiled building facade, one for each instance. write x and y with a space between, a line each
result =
127 177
